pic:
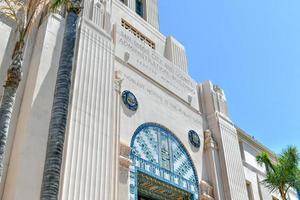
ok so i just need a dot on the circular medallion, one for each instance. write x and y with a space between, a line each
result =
194 138
129 100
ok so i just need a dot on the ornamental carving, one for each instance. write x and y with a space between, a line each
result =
124 159
206 191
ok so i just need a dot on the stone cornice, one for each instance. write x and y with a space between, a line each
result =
260 147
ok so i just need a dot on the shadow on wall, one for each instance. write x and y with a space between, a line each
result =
34 118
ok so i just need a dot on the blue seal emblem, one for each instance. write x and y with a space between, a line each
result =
194 138
129 100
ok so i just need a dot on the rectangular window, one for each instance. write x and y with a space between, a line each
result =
139 7
249 191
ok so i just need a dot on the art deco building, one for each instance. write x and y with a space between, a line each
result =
139 127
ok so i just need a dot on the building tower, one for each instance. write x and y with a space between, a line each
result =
139 127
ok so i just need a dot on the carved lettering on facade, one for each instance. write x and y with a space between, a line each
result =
163 100
154 65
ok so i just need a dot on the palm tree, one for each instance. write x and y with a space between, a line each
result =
283 174
24 15
56 135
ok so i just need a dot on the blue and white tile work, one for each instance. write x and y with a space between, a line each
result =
157 152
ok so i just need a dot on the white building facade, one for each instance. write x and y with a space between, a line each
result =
139 127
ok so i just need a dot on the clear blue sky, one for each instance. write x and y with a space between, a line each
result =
251 49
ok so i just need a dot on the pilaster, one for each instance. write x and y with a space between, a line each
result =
91 146
224 132
211 154
152 13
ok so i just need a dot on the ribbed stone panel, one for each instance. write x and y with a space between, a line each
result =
152 13
233 161
131 4
89 168
175 52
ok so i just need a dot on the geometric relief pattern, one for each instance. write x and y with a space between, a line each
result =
156 151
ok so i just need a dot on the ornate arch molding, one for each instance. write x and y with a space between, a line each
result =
156 151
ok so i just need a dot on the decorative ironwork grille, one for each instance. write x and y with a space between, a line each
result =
157 152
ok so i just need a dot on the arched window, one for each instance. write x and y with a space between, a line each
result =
161 161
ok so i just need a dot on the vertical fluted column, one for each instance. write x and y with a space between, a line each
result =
90 156
152 13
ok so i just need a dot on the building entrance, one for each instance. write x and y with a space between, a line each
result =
161 166
150 188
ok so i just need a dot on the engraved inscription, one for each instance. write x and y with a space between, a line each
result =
154 65
162 100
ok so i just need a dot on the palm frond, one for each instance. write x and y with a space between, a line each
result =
33 9
289 157
23 14
264 158
10 8
285 173
6 12
56 4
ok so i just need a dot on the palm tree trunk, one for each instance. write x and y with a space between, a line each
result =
56 137
282 194
8 100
